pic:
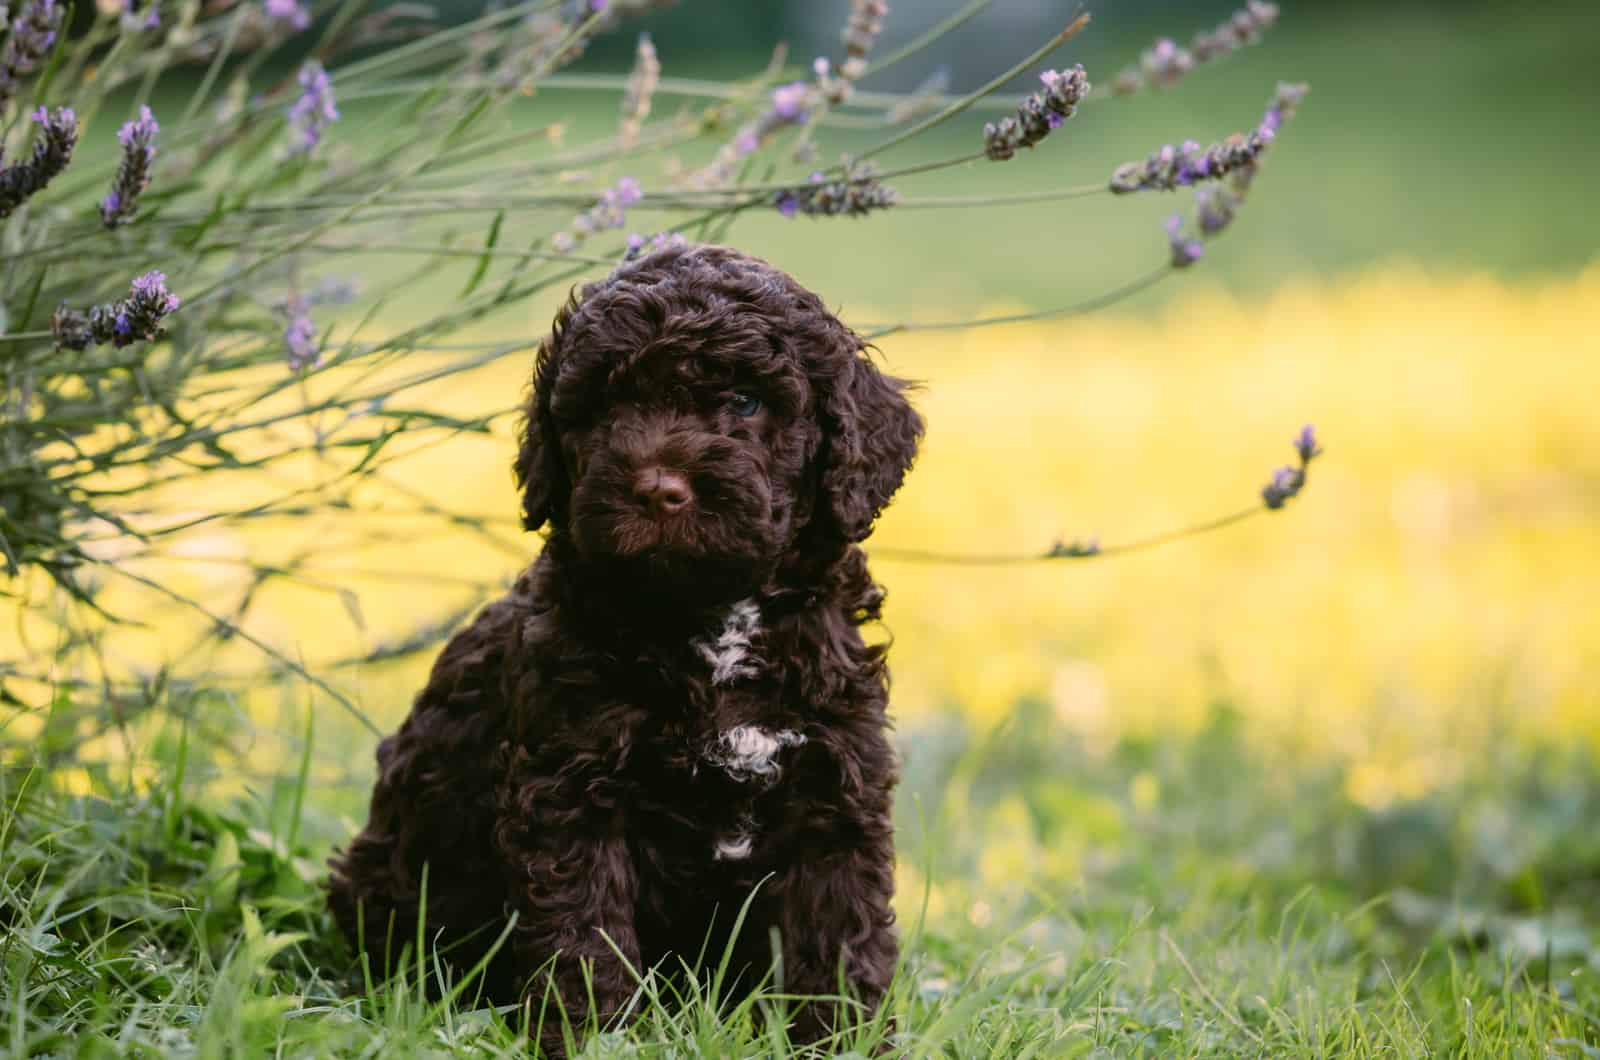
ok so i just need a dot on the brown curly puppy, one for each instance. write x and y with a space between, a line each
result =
674 706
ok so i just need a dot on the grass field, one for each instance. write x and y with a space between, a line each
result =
1324 783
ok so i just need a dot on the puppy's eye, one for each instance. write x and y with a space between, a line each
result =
745 405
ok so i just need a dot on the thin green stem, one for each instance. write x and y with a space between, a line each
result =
1150 279
1062 552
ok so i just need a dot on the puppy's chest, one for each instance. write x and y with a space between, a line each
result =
724 765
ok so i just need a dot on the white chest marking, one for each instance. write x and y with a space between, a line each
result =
733 847
749 752
730 653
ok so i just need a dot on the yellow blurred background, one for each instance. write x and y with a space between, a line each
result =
1437 579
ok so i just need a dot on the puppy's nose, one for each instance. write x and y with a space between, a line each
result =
667 492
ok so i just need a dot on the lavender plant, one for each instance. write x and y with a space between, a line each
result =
118 392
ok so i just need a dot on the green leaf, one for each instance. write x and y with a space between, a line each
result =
483 262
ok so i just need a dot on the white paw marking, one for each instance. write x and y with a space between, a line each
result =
749 752
730 653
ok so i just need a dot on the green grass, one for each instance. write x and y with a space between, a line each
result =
1181 897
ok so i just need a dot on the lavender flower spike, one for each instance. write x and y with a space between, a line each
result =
610 212
1037 114
133 175
1170 168
639 92
1166 62
859 193
314 111
33 32
301 336
58 135
1287 482
136 318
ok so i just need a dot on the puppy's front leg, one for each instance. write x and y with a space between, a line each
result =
572 884
570 898
834 916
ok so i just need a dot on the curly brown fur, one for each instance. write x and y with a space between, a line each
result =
674 707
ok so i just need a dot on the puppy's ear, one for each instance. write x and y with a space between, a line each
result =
870 435
541 473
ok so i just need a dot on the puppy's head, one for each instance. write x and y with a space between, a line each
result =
698 416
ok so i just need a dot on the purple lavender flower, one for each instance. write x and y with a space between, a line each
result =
1287 482
300 335
1185 251
1038 114
1165 63
132 22
638 245
33 32
314 111
1305 444
611 211
627 192
857 194
1214 209
52 151
136 318
133 174
288 13
789 101
1169 168
1284 486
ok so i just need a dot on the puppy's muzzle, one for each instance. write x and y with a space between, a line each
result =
663 491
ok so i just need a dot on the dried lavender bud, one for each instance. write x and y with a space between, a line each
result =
136 318
314 111
133 174
1165 63
1038 114
58 135
1185 251
300 335
287 13
1287 482
640 90
33 32
857 194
